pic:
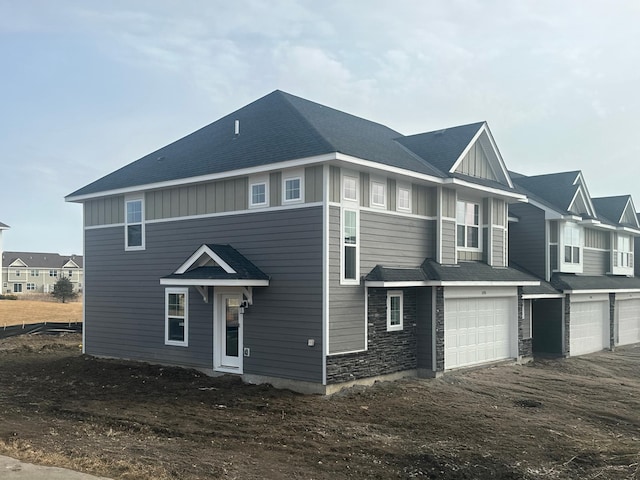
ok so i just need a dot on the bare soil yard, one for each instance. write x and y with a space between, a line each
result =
22 312
553 419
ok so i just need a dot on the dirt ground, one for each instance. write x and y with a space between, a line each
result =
553 419
22 312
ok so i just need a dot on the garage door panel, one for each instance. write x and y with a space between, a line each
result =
628 321
589 327
477 330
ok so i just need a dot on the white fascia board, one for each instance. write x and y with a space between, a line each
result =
534 296
512 219
382 284
634 231
632 207
604 290
198 253
529 283
205 178
213 282
257 170
590 221
494 191
18 263
586 195
70 264
549 213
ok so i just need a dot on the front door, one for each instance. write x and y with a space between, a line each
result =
228 332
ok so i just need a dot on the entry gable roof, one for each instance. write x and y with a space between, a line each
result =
618 210
275 128
217 265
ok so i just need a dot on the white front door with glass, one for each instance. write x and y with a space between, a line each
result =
227 353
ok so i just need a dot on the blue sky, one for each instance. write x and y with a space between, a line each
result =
90 86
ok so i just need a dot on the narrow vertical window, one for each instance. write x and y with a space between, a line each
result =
176 316
350 246
134 225
350 189
572 238
394 310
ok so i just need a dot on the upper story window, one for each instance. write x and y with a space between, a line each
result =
394 310
292 187
134 224
350 188
378 194
17 273
258 192
35 273
70 273
53 273
572 241
623 256
468 225
403 202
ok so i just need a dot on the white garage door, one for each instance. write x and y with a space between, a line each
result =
589 324
628 321
478 330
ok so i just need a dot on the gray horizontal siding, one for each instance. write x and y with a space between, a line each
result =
498 247
125 301
390 240
448 236
527 238
595 262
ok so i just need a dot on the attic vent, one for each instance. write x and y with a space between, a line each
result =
237 128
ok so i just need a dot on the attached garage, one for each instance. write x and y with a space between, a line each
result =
480 325
628 318
589 324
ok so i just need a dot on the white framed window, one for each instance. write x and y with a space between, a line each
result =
624 252
35 273
378 193
17 288
468 225
350 265
572 244
177 317
258 192
350 188
292 189
53 273
403 200
395 309
17 273
31 287
134 224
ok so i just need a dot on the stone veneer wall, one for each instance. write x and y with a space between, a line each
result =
439 319
612 321
388 352
567 325
525 345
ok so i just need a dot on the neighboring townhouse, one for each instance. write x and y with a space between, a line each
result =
29 272
296 244
583 250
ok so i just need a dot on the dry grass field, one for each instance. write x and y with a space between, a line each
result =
19 312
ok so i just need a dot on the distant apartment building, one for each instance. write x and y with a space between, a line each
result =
29 272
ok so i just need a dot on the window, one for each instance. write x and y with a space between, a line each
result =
70 273
17 288
624 255
403 202
31 287
17 273
572 243
350 246
177 316
394 310
134 226
378 194
292 191
35 273
350 188
468 225
53 273
259 194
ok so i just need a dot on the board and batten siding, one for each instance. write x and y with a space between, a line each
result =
104 211
527 238
387 239
125 305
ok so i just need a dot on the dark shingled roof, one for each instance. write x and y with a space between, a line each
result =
556 189
442 148
245 270
430 270
611 208
41 260
568 281
543 289
2 225
274 128
474 272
